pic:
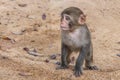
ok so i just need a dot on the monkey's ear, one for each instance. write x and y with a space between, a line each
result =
82 19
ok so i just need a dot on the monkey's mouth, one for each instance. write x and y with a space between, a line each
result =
64 28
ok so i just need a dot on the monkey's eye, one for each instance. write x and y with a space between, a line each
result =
67 18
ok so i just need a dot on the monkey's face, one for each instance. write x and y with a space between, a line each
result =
70 22
65 22
72 18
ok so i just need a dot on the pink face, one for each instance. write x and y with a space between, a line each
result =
65 22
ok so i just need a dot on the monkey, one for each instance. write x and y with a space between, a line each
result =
75 37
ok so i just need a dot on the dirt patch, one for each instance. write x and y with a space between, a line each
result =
35 24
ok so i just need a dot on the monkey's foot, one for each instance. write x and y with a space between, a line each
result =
78 73
92 67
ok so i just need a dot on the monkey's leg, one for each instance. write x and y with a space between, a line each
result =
80 60
89 60
65 56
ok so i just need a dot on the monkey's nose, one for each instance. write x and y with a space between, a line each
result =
62 22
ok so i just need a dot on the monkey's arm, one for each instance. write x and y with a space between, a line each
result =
65 53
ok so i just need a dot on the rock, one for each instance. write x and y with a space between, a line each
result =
53 56
118 55
47 61
22 5
58 63
43 16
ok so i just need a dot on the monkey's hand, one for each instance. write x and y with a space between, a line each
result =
78 72
92 67
63 67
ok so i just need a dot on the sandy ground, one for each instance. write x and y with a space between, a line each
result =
34 24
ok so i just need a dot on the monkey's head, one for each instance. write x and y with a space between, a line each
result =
71 18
